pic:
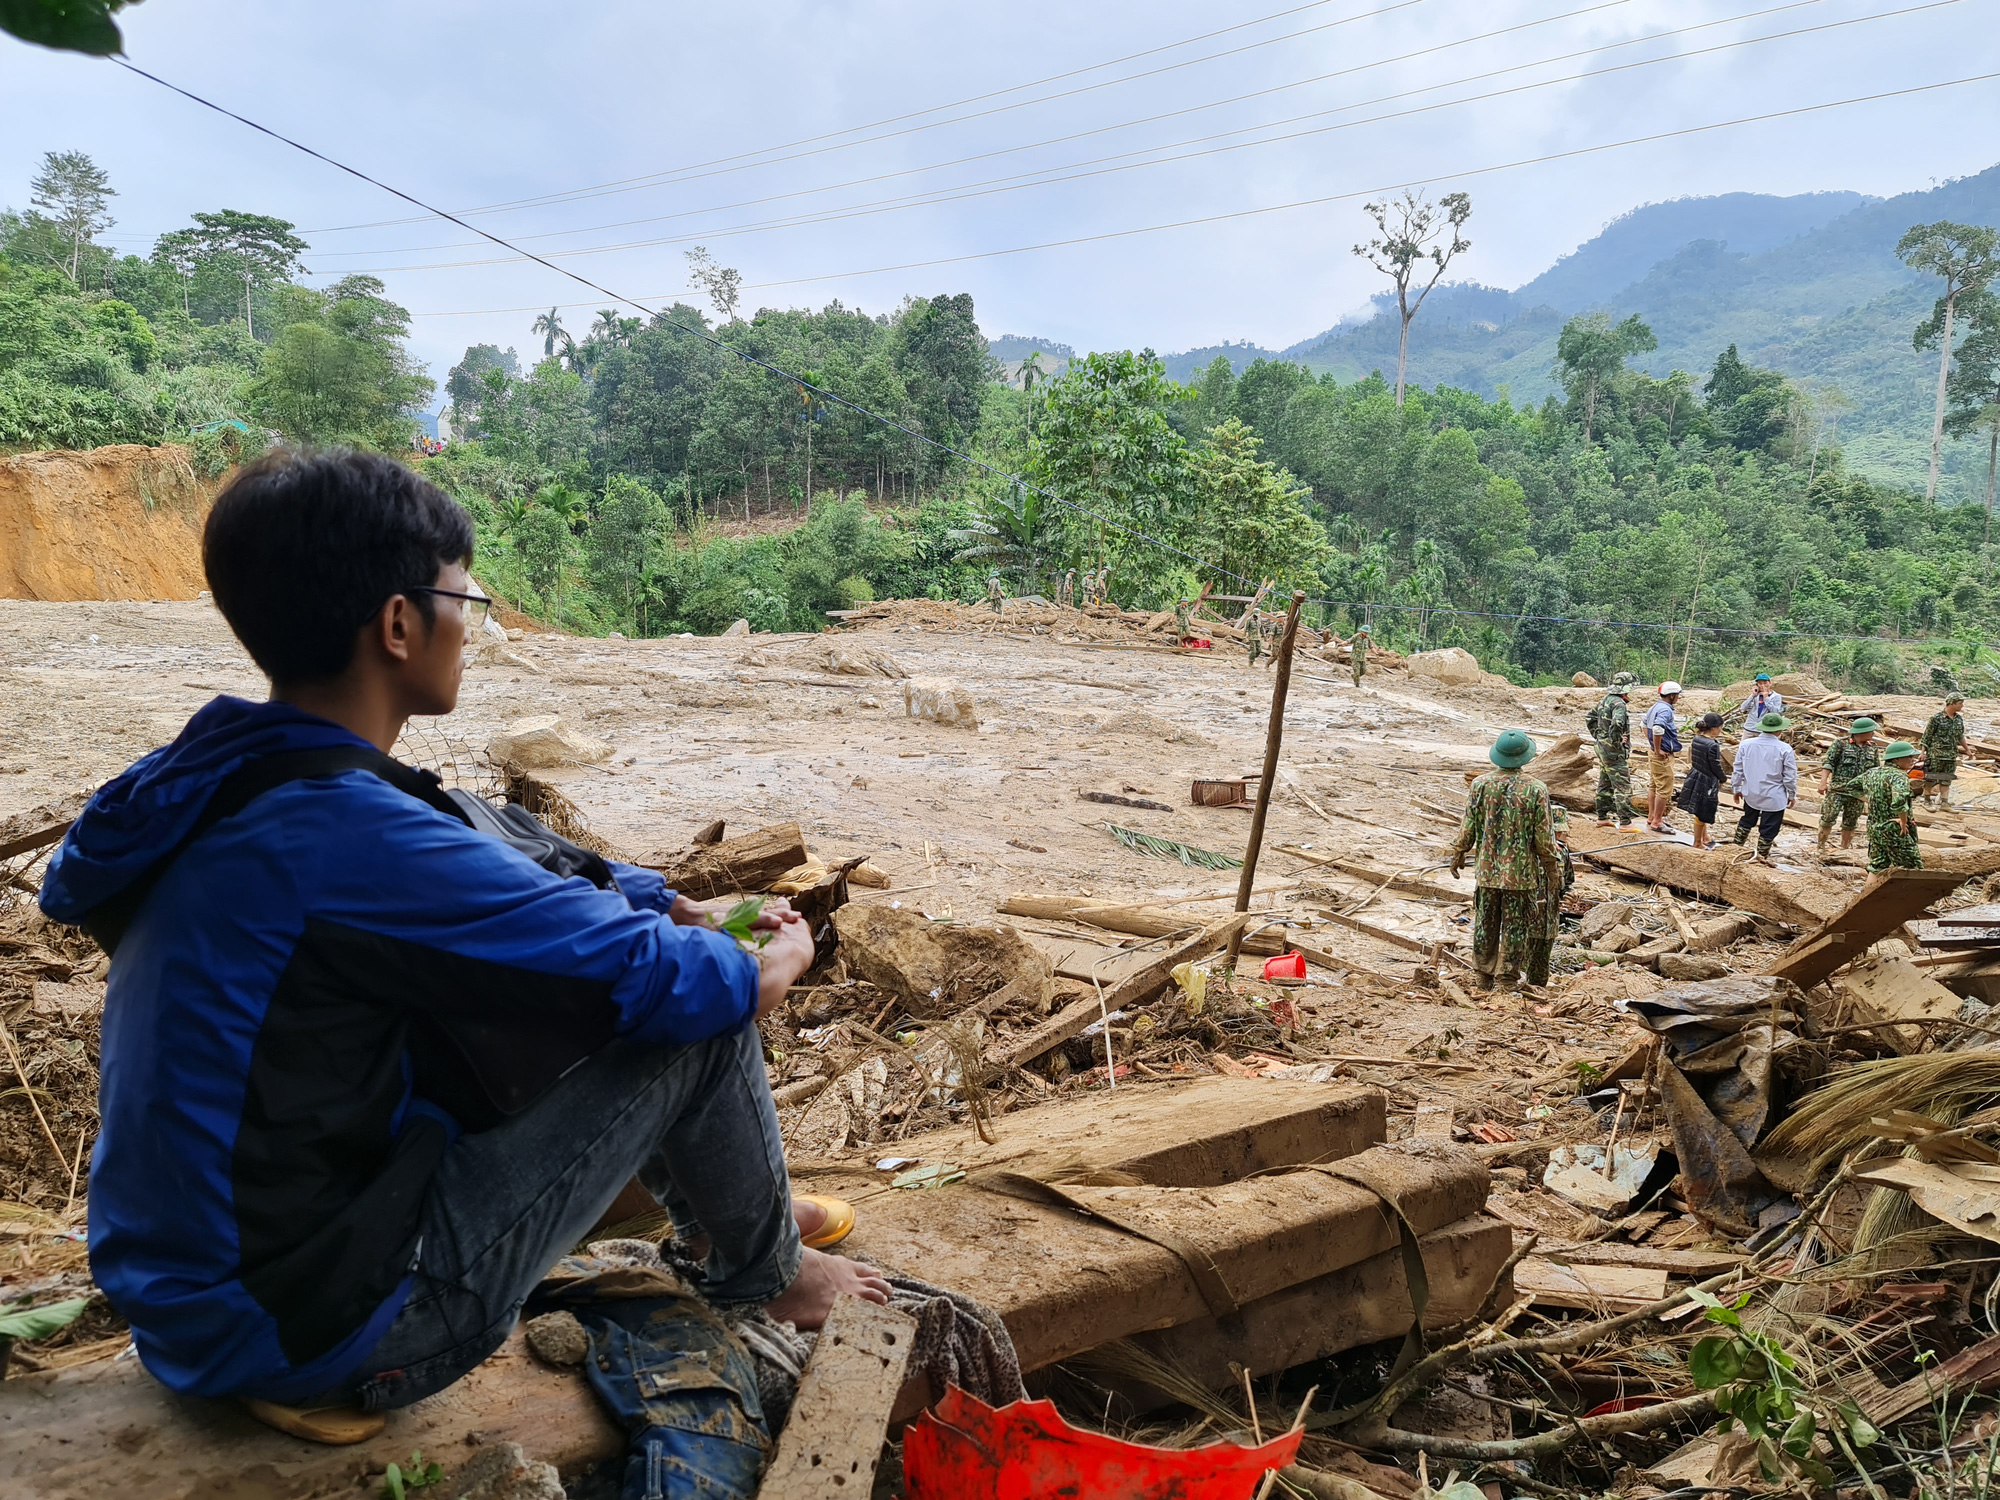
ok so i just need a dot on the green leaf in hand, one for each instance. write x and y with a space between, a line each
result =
736 922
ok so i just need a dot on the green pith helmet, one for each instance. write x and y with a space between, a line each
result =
1900 750
1863 726
1361 630
1623 690
1513 748
1951 698
1773 724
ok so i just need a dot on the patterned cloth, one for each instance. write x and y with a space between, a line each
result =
1846 761
1507 831
1614 786
1357 657
1943 734
1508 935
1888 793
1612 728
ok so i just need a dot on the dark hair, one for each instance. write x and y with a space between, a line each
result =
1710 721
302 549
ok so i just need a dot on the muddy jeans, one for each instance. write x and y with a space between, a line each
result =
698 1127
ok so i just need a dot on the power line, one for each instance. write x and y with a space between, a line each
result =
1134 123
720 164
1081 170
1246 213
839 400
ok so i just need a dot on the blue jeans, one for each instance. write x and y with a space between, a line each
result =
697 1126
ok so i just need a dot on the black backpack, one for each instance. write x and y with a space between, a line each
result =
514 825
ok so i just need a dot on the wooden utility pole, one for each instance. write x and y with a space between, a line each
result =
1274 737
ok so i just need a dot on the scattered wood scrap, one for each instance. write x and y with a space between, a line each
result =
1883 905
748 862
833 1438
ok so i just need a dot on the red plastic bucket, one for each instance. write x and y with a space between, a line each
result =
1285 966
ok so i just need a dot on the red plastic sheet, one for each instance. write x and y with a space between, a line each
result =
963 1449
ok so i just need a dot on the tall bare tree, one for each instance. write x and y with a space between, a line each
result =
72 191
721 284
1412 232
1964 256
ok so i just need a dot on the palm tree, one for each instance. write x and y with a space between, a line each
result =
549 326
815 411
607 326
1032 371
1014 532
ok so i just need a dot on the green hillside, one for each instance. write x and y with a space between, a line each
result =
1823 299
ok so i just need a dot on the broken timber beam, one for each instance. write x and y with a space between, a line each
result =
1137 921
749 862
1804 898
1408 885
833 1437
1884 904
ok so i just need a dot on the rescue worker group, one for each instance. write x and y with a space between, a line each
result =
1516 838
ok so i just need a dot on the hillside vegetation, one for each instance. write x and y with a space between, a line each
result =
1692 522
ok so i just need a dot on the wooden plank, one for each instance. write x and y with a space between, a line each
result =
1383 934
1409 885
1890 990
1646 1257
1065 1025
1079 958
1138 921
1343 1310
1200 1133
833 1437
1885 903
110 1429
1064 1282
1613 1289
40 826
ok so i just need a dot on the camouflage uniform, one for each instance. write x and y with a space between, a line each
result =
1943 734
1516 865
1066 595
1253 637
1183 612
994 596
1613 734
1888 792
1846 761
1357 656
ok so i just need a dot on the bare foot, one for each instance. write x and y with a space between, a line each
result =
807 1301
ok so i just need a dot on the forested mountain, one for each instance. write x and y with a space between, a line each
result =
1808 285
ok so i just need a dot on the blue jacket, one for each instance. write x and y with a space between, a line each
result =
319 995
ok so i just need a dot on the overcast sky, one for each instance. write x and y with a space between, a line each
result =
723 125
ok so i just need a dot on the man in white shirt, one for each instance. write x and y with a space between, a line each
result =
1764 782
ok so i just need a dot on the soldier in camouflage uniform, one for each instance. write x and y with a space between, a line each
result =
1543 947
1892 826
1846 760
1517 866
994 595
1183 614
1943 734
1611 727
1066 594
1357 653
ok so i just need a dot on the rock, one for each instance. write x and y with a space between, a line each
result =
850 660
1601 918
940 700
741 627
1583 679
861 782
868 700
1619 940
936 968
501 1471
557 1339
1453 665
537 743
1692 966
516 633
1794 687
493 629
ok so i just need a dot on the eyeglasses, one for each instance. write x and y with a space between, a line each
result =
472 606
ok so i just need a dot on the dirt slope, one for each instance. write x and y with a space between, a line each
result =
112 523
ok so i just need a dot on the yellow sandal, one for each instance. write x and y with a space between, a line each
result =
336 1426
839 1220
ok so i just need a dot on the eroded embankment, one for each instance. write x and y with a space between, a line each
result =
122 522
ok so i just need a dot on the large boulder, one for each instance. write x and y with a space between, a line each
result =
1582 680
1794 687
535 744
849 659
1452 665
940 700
935 969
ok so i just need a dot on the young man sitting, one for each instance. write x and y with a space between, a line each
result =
368 1072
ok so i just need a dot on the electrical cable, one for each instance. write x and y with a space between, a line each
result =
1020 484
1083 170
675 174
1244 213
1133 123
